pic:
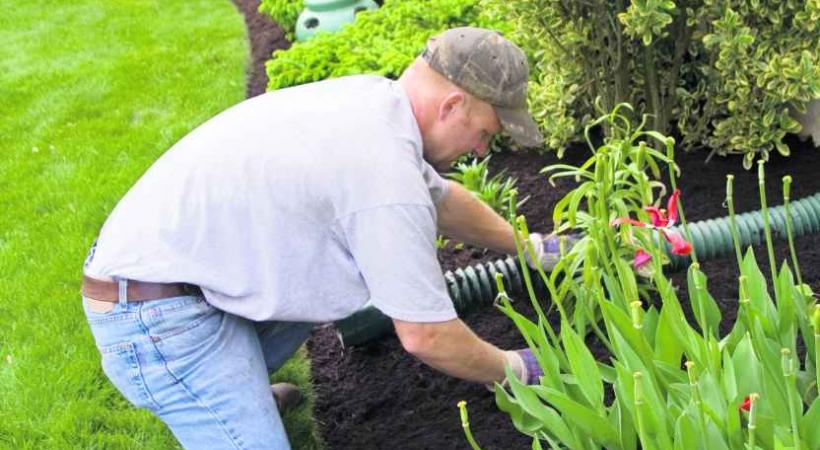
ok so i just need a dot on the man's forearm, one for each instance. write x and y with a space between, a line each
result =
452 348
464 217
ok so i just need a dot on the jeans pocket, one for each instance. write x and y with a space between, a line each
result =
122 366
184 329
97 312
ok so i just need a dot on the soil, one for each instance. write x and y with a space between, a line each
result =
264 37
377 396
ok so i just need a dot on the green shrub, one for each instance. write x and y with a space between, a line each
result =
284 13
726 72
384 41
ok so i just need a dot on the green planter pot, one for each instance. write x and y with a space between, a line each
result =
328 16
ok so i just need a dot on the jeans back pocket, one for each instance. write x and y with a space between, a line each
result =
182 331
122 366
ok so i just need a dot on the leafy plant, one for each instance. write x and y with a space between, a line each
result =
728 73
496 191
620 179
758 62
284 13
384 41
668 384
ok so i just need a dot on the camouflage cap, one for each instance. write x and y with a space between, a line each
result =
493 69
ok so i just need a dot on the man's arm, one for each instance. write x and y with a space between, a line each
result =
451 347
462 216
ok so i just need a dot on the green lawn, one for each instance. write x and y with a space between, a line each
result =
91 92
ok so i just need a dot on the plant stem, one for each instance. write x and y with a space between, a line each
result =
521 233
761 182
636 313
752 419
465 423
815 323
639 411
730 202
745 302
787 183
787 363
693 385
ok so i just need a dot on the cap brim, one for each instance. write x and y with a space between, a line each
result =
519 125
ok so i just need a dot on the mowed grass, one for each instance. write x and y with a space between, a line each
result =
91 93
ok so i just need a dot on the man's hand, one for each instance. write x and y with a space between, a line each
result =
548 249
524 365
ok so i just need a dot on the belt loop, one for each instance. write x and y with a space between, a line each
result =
123 294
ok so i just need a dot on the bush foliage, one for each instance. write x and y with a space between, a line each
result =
284 13
383 41
727 73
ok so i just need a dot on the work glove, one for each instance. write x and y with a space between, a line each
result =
524 365
548 249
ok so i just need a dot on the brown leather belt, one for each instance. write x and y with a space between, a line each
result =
138 291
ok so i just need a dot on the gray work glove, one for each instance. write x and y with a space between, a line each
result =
548 249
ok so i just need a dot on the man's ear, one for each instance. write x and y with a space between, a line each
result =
451 104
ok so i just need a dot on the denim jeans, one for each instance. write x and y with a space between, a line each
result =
202 371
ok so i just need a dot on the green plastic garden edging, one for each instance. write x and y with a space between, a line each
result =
474 286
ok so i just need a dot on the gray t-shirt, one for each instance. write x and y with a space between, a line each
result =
301 204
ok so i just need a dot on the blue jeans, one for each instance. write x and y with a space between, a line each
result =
202 371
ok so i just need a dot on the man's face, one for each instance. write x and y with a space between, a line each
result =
467 128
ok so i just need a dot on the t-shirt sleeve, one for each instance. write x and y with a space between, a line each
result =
435 183
394 249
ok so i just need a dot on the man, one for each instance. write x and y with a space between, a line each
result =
297 207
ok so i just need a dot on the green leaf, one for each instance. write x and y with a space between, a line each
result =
809 428
746 368
773 382
668 345
671 373
687 431
583 366
786 310
758 293
728 380
532 405
595 426
628 284
676 320
622 421
658 421
577 197
523 422
712 396
706 311
733 427
616 319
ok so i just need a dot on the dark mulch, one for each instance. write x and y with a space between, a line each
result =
264 37
377 396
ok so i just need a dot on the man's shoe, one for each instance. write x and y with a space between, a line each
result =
287 396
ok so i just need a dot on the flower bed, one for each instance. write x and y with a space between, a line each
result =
377 396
